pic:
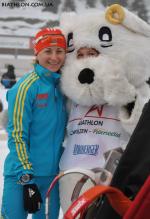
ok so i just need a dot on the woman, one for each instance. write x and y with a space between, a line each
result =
37 118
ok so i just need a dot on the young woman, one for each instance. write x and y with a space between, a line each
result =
37 118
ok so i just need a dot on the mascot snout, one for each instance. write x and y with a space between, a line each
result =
86 76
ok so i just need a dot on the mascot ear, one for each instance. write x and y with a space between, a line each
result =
116 14
67 22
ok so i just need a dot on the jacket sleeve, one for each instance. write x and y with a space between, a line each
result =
20 102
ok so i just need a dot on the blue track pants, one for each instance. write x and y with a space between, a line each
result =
12 201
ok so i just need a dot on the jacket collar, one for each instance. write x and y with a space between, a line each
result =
46 74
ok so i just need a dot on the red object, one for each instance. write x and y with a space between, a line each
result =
117 199
140 207
137 209
48 37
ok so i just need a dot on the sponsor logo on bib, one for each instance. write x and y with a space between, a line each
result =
86 149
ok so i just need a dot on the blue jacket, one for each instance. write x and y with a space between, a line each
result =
37 119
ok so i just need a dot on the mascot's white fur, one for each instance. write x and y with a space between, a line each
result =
108 92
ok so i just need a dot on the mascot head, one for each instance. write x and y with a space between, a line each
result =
117 75
122 40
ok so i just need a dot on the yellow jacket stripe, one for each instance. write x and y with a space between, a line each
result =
17 119
21 128
16 131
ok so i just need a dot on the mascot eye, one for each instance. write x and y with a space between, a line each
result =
105 35
70 45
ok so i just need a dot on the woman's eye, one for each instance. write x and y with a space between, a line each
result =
91 54
60 51
79 56
48 51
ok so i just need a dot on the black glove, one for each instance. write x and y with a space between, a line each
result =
32 198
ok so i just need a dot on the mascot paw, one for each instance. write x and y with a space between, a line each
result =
130 113
119 92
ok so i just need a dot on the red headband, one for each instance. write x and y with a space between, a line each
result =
49 37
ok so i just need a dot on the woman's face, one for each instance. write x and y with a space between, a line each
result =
52 58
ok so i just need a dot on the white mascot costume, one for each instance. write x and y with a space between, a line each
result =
107 92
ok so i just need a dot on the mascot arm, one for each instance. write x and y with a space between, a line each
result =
129 121
118 91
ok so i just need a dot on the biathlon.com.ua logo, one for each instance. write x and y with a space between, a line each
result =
27 4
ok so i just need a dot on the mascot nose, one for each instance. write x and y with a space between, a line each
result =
86 76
